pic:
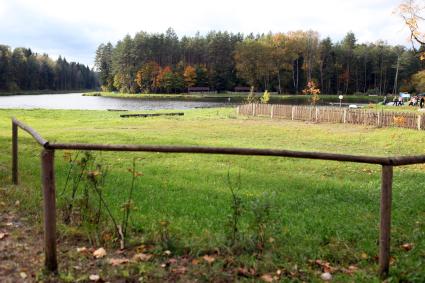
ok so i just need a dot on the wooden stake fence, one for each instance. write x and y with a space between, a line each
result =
48 177
319 114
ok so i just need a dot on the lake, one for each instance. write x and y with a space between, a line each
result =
78 102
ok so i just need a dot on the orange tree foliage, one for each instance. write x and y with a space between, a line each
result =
165 79
147 75
312 90
189 75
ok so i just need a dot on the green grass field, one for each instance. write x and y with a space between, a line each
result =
318 209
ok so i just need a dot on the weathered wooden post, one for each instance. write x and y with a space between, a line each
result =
317 114
49 197
271 111
14 153
419 122
293 113
385 227
344 118
254 109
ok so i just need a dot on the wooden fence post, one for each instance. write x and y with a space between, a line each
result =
419 122
271 111
293 113
49 198
237 110
14 153
344 117
385 227
317 114
379 120
254 106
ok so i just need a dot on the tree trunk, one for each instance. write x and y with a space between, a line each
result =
278 79
298 77
396 76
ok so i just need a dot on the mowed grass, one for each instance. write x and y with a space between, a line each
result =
320 209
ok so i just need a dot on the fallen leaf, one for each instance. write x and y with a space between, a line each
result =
99 253
117 261
167 252
407 247
142 257
195 261
364 255
17 203
267 278
326 266
3 235
23 275
179 270
94 277
326 276
209 259
82 250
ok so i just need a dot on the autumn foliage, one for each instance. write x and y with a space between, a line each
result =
312 90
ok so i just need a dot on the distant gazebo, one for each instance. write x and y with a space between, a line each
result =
242 89
198 89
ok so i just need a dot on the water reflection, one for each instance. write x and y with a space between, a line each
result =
78 102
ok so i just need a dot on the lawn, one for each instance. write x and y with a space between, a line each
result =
300 210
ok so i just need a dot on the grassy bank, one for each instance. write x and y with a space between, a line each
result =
46 91
299 210
240 97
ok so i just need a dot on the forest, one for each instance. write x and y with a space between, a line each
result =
281 62
23 70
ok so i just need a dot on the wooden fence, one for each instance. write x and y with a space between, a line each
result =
48 173
319 114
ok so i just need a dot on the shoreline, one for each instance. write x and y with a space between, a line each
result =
47 91
240 97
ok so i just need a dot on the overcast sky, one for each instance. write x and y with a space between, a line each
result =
75 28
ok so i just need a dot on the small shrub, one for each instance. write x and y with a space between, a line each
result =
251 98
266 97
236 205
261 209
373 91
312 90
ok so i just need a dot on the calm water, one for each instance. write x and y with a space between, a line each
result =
78 102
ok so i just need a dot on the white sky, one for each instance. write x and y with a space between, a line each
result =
75 28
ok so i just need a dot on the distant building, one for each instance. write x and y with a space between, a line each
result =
198 89
242 89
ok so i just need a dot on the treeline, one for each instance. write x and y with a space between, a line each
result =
23 70
282 62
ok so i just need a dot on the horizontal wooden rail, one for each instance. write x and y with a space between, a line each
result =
223 150
30 131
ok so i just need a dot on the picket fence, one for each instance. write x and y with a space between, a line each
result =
325 114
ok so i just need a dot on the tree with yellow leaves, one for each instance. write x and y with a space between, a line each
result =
312 90
412 14
189 75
